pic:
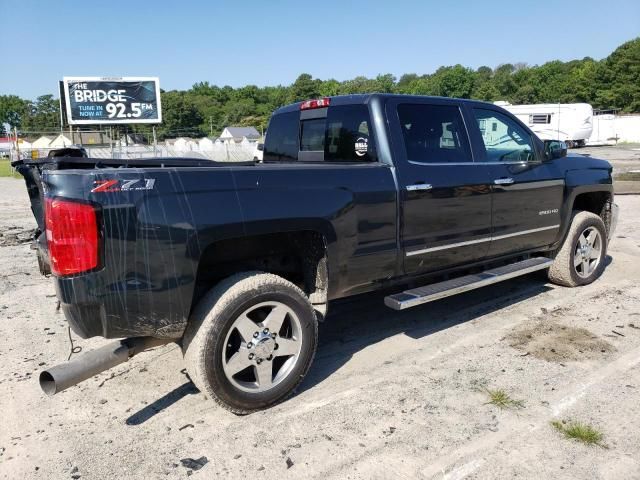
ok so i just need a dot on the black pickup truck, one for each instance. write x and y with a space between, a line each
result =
423 197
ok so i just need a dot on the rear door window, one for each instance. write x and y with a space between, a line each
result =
434 133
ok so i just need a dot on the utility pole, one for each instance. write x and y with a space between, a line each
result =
111 139
61 117
15 130
155 142
210 126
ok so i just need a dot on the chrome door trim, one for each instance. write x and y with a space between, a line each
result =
480 240
533 184
525 232
450 245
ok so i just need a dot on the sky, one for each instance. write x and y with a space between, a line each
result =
270 42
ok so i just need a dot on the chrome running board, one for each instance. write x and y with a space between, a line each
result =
436 291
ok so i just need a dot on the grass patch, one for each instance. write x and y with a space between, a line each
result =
6 170
502 400
579 431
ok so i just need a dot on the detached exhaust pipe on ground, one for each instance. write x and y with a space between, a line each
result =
56 379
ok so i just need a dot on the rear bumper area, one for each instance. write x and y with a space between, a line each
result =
86 321
95 308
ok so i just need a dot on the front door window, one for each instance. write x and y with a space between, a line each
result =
504 139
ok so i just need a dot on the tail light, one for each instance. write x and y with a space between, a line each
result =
72 236
319 103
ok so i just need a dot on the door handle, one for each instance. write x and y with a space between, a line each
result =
503 181
418 187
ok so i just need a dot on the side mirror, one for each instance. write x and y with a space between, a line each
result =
554 149
261 147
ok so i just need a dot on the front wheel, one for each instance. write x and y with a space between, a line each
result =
250 341
581 257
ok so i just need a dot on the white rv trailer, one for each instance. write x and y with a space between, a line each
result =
569 122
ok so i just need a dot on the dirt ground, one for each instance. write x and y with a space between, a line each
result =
390 395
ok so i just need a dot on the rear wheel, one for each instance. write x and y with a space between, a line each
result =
250 341
581 258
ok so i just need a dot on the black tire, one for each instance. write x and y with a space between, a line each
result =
563 271
204 340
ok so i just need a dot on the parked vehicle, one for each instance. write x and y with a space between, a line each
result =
257 153
71 151
571 123
238 262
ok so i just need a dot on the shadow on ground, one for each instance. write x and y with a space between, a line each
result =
162 403
355 323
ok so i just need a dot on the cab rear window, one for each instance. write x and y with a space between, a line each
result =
312 135
349 135
336 134
281 143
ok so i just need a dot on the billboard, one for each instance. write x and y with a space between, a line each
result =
111 100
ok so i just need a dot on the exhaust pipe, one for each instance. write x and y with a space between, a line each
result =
59 378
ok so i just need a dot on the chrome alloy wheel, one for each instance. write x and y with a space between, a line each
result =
586 257
262 347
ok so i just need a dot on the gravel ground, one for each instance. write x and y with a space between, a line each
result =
625 158
622 157
390 395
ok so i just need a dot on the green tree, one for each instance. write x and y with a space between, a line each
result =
304 88
405 82
486 91
587 80
503 81
42 116
456 81
329 88
621 78
180 115
610 83
12 111
385 83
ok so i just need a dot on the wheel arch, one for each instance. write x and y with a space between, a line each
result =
595 198
300 256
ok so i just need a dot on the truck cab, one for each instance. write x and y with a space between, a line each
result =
458 181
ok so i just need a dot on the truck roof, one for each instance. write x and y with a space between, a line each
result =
367 97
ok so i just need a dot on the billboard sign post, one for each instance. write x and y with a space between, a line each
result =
111 100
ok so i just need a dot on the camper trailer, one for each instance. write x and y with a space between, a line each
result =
570 122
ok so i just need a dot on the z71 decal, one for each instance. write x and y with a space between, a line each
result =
123 185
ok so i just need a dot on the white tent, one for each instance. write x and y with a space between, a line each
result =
185 144
60 141
24 145
206 143
42 142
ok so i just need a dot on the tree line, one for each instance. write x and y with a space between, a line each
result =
205 109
